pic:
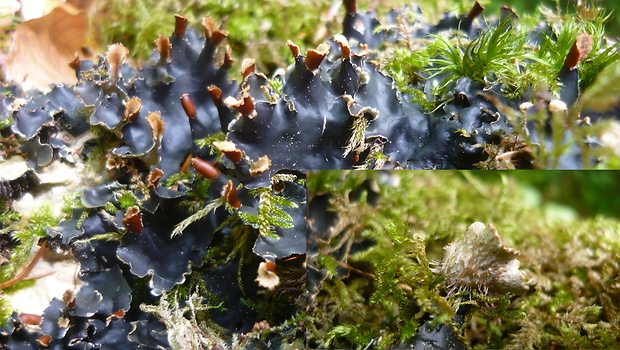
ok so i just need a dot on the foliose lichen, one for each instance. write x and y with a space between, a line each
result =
480 261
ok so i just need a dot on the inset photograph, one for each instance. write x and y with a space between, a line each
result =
463 259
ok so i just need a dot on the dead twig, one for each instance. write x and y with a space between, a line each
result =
22 275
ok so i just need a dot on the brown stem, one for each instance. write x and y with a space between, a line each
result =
345 265
22 275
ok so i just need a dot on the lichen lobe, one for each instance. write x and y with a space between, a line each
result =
481 262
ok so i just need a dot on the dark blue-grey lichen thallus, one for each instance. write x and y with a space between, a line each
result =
440 336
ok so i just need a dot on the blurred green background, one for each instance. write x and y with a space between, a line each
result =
588 193
260 29
566 6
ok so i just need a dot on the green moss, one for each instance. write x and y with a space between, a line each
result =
6 122
277 85
25 231
211 206
357 141
500 55
6 310
271 213
495 53
378 257
208 142
137 23
197 196
105 141
127 199
406 61
71 202
178 178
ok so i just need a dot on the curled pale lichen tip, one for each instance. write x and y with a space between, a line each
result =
164 47
115 56
267 277
480 261
294 49
248 66
344 45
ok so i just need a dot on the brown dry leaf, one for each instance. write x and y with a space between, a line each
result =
44 46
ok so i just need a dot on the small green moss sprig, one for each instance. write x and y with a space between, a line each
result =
6 310
408 60
357 140
287 330
501 307
5 123
211 206
270 212
277 85
496 56
26 231
127 199
208 142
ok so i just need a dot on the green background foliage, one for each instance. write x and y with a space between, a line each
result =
259 27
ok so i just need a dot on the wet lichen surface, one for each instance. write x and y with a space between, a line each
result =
382 270
181 193
171 243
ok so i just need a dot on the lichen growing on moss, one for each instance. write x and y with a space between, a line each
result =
481 262
372 235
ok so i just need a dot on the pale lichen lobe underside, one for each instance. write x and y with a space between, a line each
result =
480 261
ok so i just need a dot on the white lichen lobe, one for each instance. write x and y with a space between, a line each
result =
481 262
